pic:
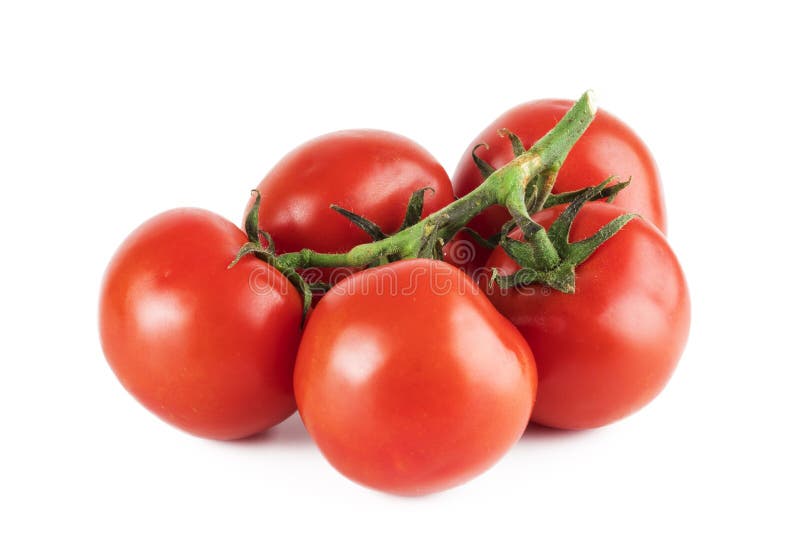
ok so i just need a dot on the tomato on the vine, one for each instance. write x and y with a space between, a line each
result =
207 348
608 349
410 381
371 173
608 148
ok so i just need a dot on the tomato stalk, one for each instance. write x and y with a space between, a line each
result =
502 187
522 186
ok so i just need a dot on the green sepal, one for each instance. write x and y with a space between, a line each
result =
414 209
562 278
268 239
520 251
580 251
516 142
609 193
258 250
369 227
251 221
248 248
559 230
305 292
483 166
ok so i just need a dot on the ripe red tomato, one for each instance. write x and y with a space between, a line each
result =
608 349
369 172
206 348
609 147
409 381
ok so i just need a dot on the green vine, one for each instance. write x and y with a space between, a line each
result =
523 186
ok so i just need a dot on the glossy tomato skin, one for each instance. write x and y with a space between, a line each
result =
608 349
206 348
409 381
370 172
607 148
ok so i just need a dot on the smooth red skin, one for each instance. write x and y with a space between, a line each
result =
412 392
206 348
607 148
608 349
370 172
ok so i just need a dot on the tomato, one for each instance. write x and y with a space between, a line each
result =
608 349
369 172
410 381
206 348
608 148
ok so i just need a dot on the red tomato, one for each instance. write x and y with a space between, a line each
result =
369 172
608 148
409 381
206 348
608 349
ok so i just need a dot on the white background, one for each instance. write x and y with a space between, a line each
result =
112 112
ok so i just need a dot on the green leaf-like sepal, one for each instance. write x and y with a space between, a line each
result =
562 278
268 239
247 248
484 167
268 257
516 142
251 222
369 227
559 230
520 251
414 209
609 193
580 251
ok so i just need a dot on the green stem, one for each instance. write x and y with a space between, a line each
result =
502 187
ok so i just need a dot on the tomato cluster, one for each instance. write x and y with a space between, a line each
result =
411 374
